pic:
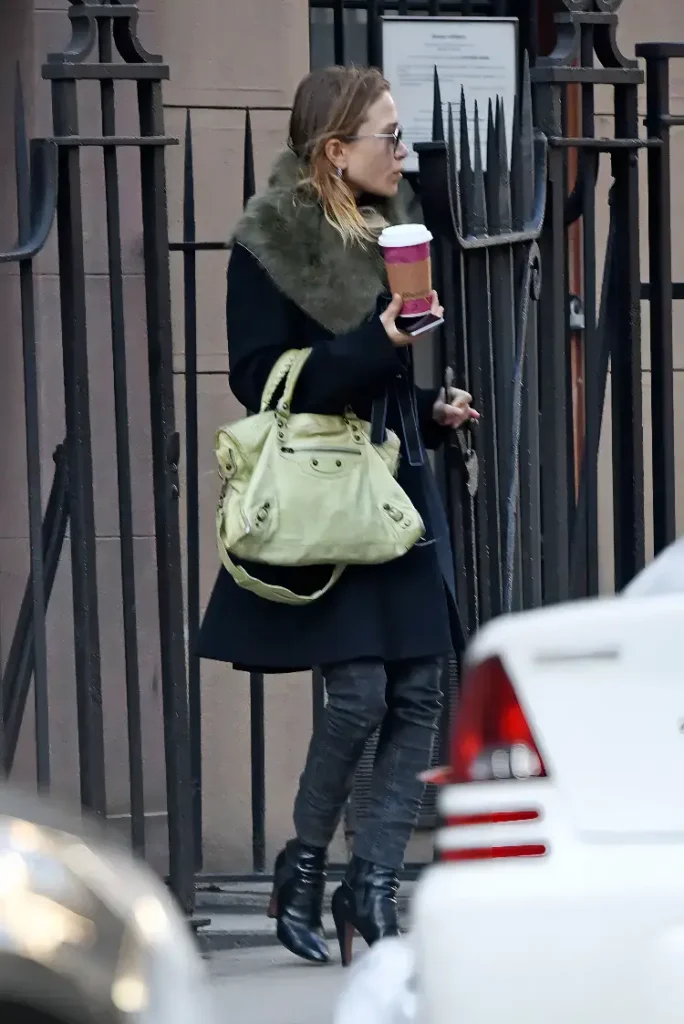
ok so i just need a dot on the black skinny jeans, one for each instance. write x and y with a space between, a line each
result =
403 700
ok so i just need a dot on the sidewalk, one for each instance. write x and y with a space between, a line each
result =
270 986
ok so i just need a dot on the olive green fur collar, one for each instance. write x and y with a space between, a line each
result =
285 230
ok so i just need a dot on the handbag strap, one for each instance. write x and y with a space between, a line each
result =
287 368
379 420
300 357
271 591
277 375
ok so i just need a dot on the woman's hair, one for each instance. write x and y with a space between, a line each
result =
333 103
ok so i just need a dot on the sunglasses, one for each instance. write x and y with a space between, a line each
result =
395 136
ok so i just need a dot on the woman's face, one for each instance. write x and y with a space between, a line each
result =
372 162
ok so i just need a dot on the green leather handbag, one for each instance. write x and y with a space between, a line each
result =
307 489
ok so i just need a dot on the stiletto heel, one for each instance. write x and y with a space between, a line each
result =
346 940
366 902
343 927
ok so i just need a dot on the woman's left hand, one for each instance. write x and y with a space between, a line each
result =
456 411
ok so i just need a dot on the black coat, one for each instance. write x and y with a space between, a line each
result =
401 609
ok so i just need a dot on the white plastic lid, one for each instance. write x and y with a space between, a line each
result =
399 235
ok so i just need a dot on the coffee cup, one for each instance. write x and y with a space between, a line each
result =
406 249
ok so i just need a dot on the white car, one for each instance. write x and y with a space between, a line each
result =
558 896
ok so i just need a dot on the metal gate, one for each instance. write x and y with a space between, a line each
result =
104 53
536 352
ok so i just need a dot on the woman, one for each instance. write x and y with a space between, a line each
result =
306 271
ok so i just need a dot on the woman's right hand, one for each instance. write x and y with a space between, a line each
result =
388 320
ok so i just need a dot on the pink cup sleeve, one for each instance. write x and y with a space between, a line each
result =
408 253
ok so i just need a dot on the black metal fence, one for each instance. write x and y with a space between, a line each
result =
611 336
532 535
522 489
487 216
189 247
105 50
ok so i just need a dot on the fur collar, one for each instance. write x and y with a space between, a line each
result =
336 285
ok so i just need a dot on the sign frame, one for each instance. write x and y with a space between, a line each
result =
389 23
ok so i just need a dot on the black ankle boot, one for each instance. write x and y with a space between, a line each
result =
297 900
366 902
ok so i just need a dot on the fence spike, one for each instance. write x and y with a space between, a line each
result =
248 183
189 226
522 153
453 171
437 114
492 173
479 197
504 183
517 182
466 172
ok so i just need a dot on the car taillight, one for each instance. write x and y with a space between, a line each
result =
492 739
494 852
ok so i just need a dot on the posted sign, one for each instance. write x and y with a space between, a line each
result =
478 55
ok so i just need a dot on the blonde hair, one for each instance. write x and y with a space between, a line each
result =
332 103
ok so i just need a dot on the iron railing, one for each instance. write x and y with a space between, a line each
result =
532 535
104 48
36 182
661 291
487 217
111 31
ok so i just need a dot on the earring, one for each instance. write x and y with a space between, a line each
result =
340 172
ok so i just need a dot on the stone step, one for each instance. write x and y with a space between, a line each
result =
249 931
253 897
236 915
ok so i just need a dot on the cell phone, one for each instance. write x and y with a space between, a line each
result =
413 326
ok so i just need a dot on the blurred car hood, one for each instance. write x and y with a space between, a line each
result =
664 575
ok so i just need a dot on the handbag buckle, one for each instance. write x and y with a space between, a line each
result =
393 513
354 424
